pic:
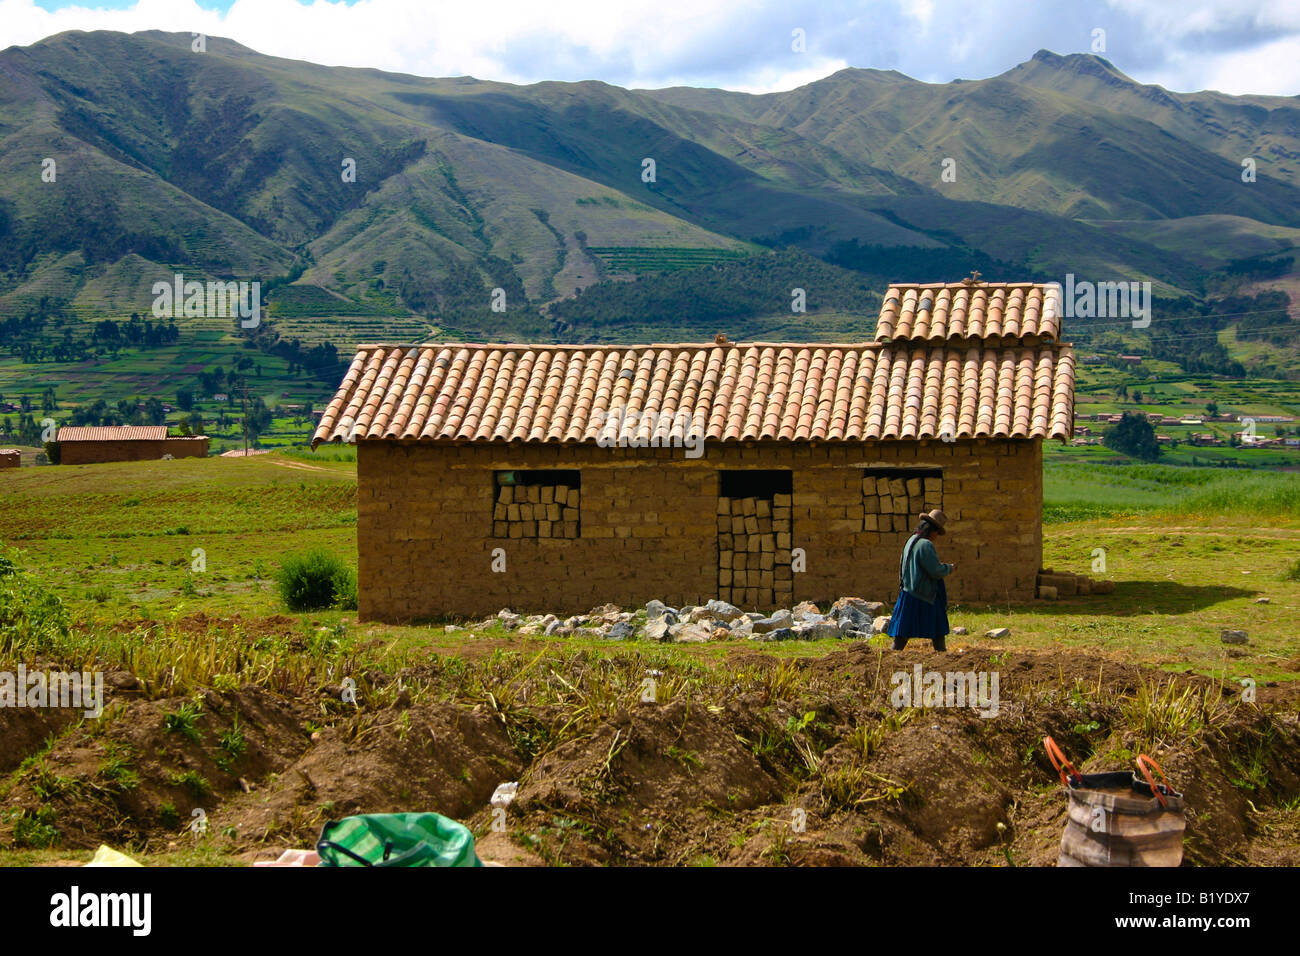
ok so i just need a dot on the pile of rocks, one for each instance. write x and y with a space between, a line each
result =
849 617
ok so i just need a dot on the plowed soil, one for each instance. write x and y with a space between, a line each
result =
774 761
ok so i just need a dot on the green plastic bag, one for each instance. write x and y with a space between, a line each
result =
396 839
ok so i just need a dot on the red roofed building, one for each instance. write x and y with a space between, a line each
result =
558 477
94 444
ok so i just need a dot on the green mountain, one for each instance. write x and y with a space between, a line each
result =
227 164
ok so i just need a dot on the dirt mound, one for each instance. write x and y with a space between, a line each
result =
645 771
753 760
136 776
434 757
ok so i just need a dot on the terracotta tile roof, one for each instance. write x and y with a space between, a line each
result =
944 312
112 433
733 392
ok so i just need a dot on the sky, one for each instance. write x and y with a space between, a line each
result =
757 46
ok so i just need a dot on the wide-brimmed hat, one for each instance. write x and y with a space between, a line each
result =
936 518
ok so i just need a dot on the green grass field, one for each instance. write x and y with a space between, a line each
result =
1190 550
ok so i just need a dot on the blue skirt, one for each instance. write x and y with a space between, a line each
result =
912 617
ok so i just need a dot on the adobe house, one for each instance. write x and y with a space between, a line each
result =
93 444
560 477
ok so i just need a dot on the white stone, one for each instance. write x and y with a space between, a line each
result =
723 611
998 633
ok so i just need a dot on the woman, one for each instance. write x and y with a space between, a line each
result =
922 606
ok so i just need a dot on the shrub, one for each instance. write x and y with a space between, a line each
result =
315 580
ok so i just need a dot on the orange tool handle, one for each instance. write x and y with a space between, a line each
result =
1060 762
1142 763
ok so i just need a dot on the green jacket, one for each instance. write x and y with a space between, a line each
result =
920 568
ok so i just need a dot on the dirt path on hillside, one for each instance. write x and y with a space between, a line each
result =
303 466
1203 532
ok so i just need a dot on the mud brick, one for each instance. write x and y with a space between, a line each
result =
548 494
768 542
899 505
751 524
724 506
897 487
763 508
726 542
882 487
570 529
553 512
916 506
501 512
543 529
766 580
933 489
500 529
767 560
724 524
561 494
750 508
737 524
783 572
569 514
724 577
516 529
764 525
740 561
574 495
914 487
782 556
530 528
783 539
782 501
512 512
741 542
902 523
754 543
869 522
506 494
871 504
780 516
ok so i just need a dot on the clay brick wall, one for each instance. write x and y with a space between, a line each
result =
649 525
96 452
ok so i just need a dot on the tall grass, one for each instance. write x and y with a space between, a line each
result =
1077 491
